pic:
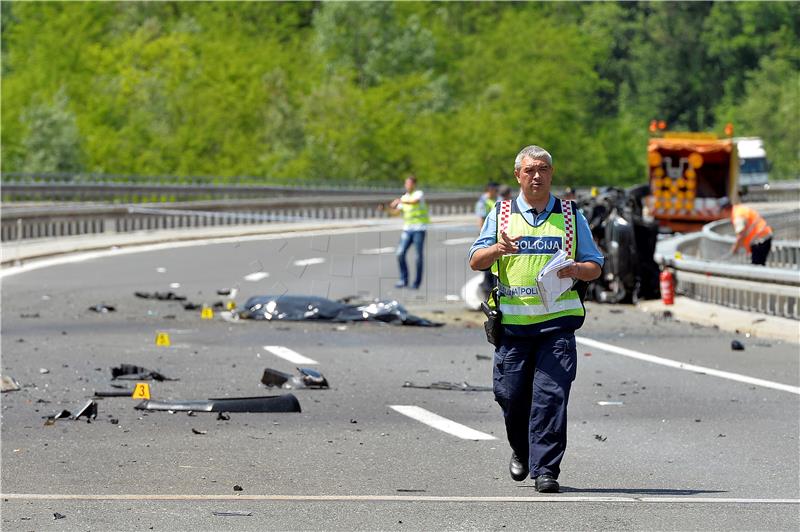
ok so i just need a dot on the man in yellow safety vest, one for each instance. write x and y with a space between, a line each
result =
415 223
535 357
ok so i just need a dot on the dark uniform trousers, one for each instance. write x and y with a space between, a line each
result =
532 380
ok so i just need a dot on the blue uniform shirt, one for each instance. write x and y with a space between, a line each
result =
586 251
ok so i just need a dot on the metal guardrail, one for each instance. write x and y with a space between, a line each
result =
52 221
767 289
777 191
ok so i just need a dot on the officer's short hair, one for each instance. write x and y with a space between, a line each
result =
534 152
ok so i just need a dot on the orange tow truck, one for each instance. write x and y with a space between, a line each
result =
689 173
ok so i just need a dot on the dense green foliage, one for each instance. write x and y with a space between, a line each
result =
367 92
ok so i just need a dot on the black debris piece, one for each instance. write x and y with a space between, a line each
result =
64 414
160 296
483 357
35 315
445 385
736 345
89 411
113 393
196 431
300 308
237 487
137 373
223 416
270 403
191 306
57 516
232 514
308 378
224 292
218 305
102 308
616 311
114 421
402 490
8 384
600 437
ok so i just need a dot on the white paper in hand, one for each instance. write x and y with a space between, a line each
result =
549 285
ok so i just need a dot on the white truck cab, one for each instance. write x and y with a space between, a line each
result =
753 166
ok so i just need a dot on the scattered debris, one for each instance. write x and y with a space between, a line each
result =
237 487
64 414
353 421
57 516
270 403
299 308
610 403
191 306
759 320
445 385
195 431
403 490
587 354
763 344
36 315
223 416
127 392
736 345
232 514
308 378
174 285
720 435
102 308
137 373
8 384
89 411
616 311
600 437
160 296
44 371
483 357
114 421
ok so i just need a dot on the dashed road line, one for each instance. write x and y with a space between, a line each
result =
688 367
388 498
256 276
458 241
441 423
287 354
309 262
377 251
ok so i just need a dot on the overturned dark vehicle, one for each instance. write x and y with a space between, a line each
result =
628 242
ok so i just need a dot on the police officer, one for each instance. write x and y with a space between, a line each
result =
535 359
415 224
483 207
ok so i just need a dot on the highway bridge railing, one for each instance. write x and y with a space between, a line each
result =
705 272
25 222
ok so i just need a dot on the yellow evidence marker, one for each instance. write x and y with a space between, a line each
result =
162 339
142 391
231 305
207 313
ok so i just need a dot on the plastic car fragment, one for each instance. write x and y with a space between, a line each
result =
445 385
137 373
308 378
270 403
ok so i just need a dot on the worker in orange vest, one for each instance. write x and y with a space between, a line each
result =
752 231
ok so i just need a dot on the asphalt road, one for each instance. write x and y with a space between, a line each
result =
683 450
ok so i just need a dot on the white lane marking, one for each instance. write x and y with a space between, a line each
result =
309 262
457 241
375 226
442 423
287 354
256 276
377 251
385 498
688 367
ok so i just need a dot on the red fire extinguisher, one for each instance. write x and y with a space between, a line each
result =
667 283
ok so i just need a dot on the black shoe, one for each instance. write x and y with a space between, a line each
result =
546 484
518 470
